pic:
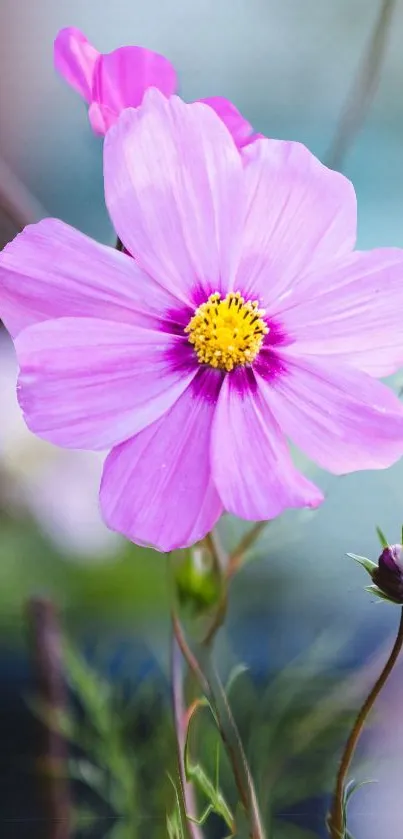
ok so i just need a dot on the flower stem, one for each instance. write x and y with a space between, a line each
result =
249 539
227 565
336 822
179 710
212 688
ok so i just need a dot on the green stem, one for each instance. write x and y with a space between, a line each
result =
179 710
336 822
227 565
212 688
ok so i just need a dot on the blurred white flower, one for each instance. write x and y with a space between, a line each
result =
59 488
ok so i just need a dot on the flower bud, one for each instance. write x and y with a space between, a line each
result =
388 575
198 584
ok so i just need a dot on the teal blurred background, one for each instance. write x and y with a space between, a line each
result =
288 66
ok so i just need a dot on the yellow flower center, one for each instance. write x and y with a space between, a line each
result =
227 333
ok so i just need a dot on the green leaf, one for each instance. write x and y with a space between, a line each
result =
382 538
365 562
235 673
174 821
379 593
197 775
121 830
56 719
93 776
354 786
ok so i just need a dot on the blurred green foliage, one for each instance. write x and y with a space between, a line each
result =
123 747
128 586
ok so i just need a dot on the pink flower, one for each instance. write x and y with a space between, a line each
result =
118 80
245 319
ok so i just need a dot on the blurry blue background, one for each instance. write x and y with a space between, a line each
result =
288 67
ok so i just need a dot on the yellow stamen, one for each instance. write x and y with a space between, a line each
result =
227 333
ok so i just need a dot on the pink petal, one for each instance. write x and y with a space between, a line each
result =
341 418
252 467
157 488
51 270
89 384
75 59
301 215
237 125
352 311
173 185
121 79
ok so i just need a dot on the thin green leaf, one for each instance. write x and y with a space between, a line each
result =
236 672
196 774
354 786
365 562
85 771
174 821
382 538
379 593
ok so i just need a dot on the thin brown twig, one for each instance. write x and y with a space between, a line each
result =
244 546
180 722
227 566
218 619
363 88
190 659
220 557
221 563
336 818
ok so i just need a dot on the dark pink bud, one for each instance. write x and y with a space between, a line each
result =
388 576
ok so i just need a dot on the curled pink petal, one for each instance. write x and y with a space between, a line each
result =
89 384
340 417
121 79
111 82
252 467
51 270
352 312
75 59
240 129
157 488
301 216
174 190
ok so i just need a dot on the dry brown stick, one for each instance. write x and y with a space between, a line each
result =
46 649
16 201
363 88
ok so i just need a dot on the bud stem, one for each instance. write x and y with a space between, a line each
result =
336 823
